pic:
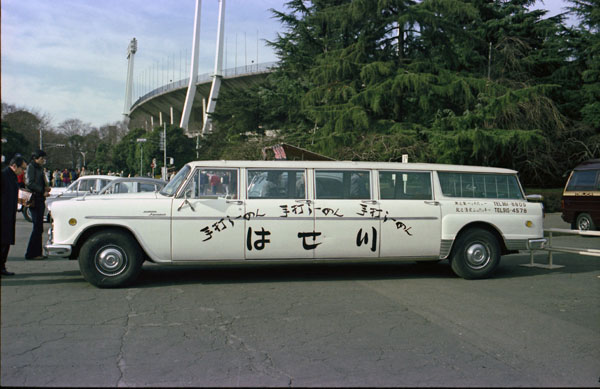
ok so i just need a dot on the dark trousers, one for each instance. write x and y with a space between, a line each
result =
34 248
4 252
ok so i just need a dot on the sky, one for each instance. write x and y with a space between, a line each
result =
68 58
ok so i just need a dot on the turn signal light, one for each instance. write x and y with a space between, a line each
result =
529 223
72 221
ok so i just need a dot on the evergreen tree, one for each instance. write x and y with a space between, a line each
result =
481 82
586 42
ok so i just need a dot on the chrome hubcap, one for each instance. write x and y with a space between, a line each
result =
110 261
584 224
478 255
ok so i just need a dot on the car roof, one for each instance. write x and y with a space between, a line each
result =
592 164
349 165
139 179
88 176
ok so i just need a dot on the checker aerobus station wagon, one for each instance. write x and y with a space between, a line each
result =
248 211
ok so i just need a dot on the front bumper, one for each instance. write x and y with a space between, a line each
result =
56 250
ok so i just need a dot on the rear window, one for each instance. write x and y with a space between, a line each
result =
583 180
474 185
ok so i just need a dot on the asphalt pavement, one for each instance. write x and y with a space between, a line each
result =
331 324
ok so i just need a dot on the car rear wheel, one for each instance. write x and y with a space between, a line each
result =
584 222
476 254
110 259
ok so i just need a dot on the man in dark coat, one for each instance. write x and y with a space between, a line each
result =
10 193
35 180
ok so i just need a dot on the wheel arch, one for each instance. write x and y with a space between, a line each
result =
84 236
481 226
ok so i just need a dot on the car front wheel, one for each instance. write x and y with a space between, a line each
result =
110 259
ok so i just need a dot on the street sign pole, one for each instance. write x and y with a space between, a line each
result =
164 177
141 142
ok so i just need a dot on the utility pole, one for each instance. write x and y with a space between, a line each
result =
164 172
141 142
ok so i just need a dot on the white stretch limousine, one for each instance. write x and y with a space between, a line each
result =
304 210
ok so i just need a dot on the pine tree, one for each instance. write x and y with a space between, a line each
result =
480 82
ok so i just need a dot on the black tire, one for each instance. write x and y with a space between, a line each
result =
584 222
476 254
110 259
27 214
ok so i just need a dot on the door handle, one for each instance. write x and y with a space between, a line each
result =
432 202
373 202
237 202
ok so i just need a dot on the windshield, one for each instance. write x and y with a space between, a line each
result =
173 185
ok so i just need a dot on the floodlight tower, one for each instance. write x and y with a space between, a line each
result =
191 91
131 50
218 75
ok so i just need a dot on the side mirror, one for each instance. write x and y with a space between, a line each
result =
536 198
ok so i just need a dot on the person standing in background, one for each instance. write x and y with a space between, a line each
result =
56 178
66 177
10 194
36 183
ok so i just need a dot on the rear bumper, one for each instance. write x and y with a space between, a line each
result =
515 245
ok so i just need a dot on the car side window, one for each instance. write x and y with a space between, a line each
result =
583 180
84 185
343 184
124 187
212 183
405 185
276 184
103 183
146 187
476 185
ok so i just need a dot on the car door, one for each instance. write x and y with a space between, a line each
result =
411 219
278 213
347 218
208 217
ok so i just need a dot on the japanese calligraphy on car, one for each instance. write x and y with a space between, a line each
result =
243 211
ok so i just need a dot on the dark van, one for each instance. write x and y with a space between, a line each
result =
581 197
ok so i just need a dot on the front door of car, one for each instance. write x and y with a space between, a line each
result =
208 217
